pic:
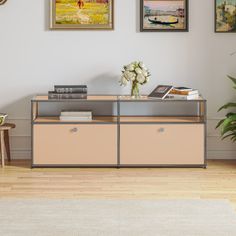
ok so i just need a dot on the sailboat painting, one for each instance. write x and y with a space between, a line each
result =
225 16
164 15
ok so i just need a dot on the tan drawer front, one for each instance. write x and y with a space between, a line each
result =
75 144
162 144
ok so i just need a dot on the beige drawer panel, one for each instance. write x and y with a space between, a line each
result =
75 144
162 144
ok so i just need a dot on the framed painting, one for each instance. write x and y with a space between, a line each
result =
225 16
2 2
164 15
82 14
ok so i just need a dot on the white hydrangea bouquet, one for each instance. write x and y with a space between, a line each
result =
137 74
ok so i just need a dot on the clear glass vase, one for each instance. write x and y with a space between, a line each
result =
135 90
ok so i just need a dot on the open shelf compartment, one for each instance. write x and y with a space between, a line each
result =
56 120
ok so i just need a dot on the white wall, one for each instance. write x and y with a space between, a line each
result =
33 59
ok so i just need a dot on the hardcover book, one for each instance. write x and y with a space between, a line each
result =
75 118
70 88
76 113
161 91
184 91
184 97
55 95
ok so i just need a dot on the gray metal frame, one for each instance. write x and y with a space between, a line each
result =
202 103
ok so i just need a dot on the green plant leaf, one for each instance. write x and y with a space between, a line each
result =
230 114
228 105
228 135
232 78
228 124
234 139
227 129
220 123
233 136
230 118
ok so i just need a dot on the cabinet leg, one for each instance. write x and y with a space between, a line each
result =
2 148
7 144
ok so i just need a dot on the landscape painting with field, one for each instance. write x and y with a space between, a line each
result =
225 15
164 15
84 14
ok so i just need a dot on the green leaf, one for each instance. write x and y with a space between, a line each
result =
228 105
220 123
232 78
230 114
228 135
225 130
230 118
233 136
234 139
227 124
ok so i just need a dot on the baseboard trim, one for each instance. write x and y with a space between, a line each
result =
20 154
221 154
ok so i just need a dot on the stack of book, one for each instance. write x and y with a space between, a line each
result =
67 115
184 93
68 92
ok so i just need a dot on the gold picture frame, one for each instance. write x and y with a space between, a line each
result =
82 14
2 2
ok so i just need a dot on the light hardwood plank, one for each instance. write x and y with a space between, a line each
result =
218 181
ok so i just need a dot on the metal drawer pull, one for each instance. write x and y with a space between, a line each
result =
74 130
161 130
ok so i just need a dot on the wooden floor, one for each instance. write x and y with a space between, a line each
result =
218 181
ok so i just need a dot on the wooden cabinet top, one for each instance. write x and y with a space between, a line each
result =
113 98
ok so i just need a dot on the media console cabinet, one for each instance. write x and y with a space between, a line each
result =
120 137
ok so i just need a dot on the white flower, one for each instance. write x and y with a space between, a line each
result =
141 64
133 78
123 81
129 75
138 71
135 72
140 78
130 67
145 73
